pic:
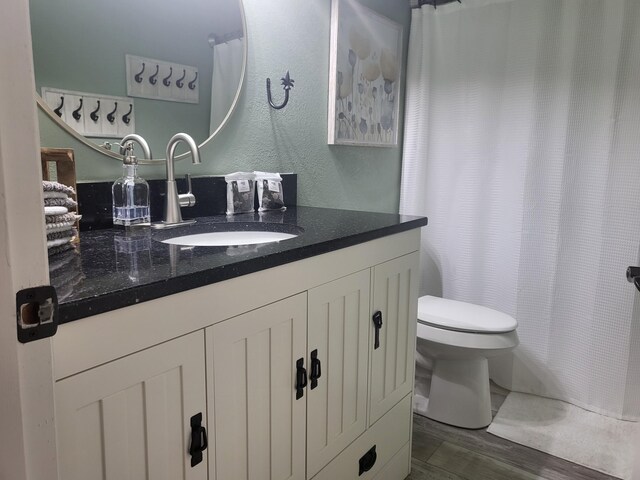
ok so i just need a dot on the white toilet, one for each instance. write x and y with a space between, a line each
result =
459 338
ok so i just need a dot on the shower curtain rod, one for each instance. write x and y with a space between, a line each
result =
433 3
227 37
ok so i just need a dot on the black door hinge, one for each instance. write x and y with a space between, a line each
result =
36 313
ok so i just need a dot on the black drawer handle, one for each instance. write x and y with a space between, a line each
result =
368 460
199 442
316 369
301 378
377 323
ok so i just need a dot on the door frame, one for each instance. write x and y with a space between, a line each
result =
27 418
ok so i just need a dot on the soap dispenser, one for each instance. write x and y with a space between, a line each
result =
131 192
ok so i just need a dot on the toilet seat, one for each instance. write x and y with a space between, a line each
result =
463 317
481 342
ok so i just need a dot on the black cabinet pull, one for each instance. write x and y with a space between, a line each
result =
316 371
633 276
377 323
199 442
368 460
301 378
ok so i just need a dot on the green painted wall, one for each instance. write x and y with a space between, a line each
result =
284 35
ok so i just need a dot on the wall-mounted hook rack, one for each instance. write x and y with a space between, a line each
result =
126 118
287 84
94 115
72 106
111 116
58 111
163 80
76 113
166 80
153 79
180 81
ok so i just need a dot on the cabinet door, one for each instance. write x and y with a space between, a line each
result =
130 418
338 331
395 296
259 423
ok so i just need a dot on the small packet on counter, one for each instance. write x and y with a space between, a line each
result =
240 192
270 195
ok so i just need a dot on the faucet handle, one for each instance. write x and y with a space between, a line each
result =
187 199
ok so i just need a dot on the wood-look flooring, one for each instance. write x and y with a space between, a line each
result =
441 452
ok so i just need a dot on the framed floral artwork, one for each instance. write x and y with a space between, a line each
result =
365 64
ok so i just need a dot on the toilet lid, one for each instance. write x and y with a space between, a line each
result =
462 316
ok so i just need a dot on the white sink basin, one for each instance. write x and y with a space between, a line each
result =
227 239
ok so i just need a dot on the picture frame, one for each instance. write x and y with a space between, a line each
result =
365 70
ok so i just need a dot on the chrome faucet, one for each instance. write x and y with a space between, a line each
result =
173 200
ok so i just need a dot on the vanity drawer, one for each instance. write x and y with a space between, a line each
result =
388 433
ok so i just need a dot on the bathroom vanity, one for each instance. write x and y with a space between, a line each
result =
272 356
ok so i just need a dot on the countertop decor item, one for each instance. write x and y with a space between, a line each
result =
58 165
365 66
130 192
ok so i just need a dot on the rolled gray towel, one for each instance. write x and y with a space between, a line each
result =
71 232
57 187
60 248
60 202
67 217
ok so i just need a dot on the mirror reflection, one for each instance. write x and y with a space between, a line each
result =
89 56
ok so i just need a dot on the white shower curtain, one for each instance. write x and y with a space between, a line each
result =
522 146
227 68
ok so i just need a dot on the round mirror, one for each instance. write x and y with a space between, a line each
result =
151 67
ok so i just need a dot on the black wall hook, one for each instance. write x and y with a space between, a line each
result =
111 116
287 84
58 111
192 83
94 115
153 79
126 118
138 77
180 81
166 80
76 113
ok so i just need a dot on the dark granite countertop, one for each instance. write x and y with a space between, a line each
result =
115 268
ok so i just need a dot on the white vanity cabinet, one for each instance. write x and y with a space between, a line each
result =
259 424
338 334
130 418
124 408
259 415
395 296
